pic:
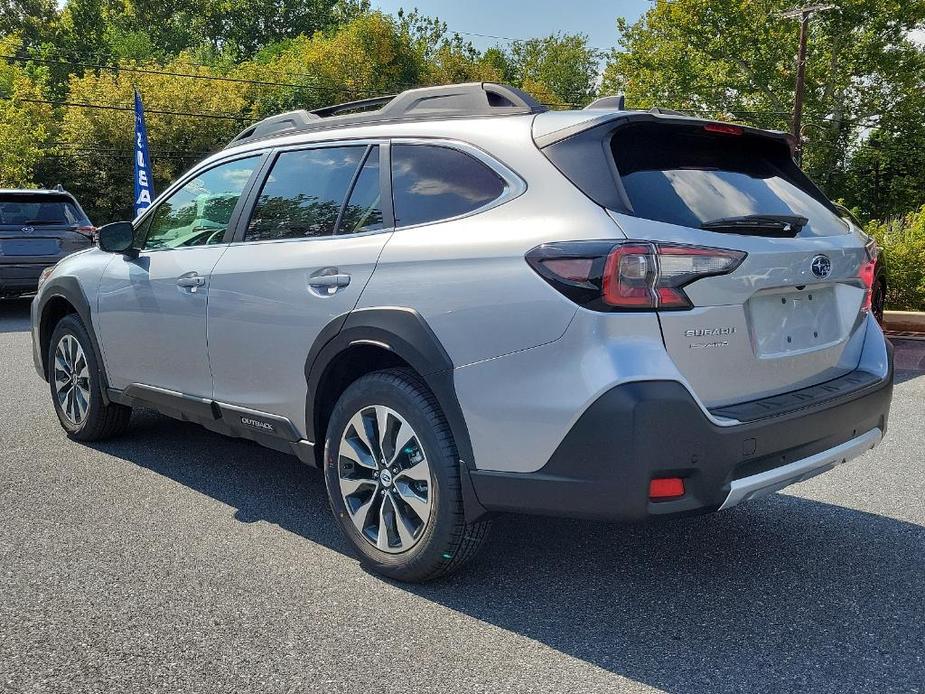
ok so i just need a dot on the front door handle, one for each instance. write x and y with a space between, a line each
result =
327 281
191 281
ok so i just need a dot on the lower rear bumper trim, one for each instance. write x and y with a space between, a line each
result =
763 483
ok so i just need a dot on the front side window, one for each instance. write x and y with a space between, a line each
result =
199 212
430 183
304 192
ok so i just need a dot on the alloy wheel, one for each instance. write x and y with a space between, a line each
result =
72 380
385 479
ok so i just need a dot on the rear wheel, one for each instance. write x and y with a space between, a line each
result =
74 377
392 474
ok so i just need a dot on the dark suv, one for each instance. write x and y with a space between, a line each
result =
37 229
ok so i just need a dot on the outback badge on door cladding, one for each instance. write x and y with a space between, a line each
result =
821 266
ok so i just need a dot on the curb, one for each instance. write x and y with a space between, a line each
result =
904 321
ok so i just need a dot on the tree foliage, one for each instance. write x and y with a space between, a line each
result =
25 124
735 59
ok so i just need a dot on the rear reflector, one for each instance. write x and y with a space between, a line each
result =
662 488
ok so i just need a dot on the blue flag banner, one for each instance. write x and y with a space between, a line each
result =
144 183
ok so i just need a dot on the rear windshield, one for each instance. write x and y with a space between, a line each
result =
39 210
688 176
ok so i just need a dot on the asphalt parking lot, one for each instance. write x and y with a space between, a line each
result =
176 560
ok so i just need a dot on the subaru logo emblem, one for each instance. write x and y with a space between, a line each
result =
822 266
28 230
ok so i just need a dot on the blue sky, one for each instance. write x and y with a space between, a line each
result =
521 19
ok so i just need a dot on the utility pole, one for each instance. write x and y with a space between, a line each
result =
804 13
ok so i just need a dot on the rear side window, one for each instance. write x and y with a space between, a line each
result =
363 211
430 183
685 175
39 210
304 192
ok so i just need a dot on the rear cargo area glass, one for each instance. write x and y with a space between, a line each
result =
21 209
685 175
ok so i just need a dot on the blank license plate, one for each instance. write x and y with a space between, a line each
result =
792 321
29 247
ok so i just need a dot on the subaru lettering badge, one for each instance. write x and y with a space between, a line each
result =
822 266
28 230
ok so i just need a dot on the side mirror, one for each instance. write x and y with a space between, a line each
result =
118 237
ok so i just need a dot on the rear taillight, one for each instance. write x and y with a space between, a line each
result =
89 231
868 273
629 275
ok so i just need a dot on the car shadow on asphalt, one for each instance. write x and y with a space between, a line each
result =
826 597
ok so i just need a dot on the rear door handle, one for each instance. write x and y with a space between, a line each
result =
325 281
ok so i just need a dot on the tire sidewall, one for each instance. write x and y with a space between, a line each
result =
376 389
70 325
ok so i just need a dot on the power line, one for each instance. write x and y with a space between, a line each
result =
112 107
148 71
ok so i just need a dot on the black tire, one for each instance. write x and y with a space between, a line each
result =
878 300
101 421
445 541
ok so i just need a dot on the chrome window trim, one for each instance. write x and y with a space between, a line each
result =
514 187
274 153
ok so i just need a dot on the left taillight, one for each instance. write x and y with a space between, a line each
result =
868 273
44 275
89 231
629 275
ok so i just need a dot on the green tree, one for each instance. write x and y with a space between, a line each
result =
561 69
26 125
98 150
735 59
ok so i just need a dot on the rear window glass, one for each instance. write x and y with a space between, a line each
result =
687 176
39 210
430 183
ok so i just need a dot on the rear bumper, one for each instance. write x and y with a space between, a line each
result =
642 430
20 278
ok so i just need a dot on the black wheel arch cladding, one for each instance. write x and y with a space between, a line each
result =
68 289
402 332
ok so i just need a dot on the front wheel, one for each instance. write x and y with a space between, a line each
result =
74 377
392 474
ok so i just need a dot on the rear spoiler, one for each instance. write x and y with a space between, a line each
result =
610 119
581 150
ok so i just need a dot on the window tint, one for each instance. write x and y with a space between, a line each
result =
687 176
19 210
364 209
431 183
304 192
198 213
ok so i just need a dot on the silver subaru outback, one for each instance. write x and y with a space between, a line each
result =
458 303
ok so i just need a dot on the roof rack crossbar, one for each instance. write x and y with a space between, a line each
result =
447 101
328 111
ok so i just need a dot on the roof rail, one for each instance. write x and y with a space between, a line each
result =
615 102
447 101
292 120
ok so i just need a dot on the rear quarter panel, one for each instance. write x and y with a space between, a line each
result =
468 278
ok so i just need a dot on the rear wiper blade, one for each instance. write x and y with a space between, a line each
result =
780 225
